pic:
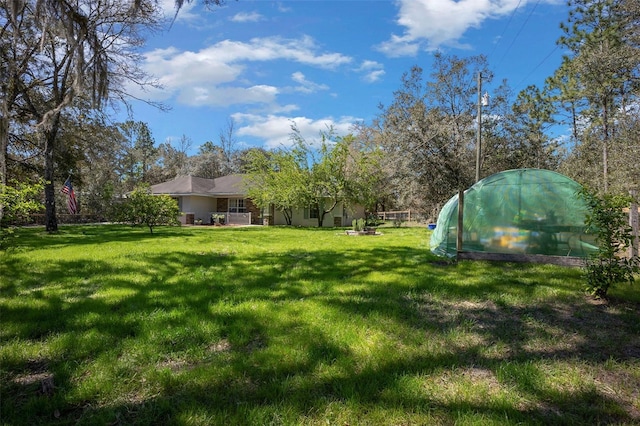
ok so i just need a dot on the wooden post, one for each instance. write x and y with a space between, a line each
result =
460 221
479 130
633 221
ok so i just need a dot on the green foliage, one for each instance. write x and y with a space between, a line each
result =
276 178
140 151
372 220
594 84
144 208
340 169
326 174
608 265
18 201
358 224
425 132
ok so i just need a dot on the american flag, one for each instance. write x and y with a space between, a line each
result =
71 196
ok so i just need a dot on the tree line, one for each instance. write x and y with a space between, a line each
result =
58 80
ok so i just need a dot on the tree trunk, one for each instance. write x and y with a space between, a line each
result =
51 222
605 147
288 215
321 218
322 212
4 138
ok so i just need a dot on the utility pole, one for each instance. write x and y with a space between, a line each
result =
479 131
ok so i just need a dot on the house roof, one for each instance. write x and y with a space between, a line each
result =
191 185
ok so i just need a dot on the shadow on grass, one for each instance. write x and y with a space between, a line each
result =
37 237
233 339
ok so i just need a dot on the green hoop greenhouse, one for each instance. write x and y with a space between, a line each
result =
523 211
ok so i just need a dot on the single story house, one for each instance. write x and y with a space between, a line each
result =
224 200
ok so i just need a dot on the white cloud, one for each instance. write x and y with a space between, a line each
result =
194 77
225 96
369 65
282 8
430 24
185 14
399 46
246 17
373 71
306 86
373 76
276 131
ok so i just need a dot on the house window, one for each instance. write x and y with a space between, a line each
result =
311 212
236 205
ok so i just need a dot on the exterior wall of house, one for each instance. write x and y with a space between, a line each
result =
339 217
298 218
277 218
202 207
351 213
199 206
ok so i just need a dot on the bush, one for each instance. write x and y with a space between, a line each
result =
144 208
397 222
372 220
608 265
18 201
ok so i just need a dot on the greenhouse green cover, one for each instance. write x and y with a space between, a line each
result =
530 211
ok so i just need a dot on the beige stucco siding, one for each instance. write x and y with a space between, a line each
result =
201 207
345 217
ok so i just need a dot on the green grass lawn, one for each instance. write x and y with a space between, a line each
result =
204 326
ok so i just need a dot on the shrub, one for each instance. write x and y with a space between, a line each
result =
144 208
372 220
358 224
608 265
17 201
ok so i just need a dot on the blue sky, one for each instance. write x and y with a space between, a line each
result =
265 64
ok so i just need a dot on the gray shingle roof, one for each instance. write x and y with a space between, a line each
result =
191 185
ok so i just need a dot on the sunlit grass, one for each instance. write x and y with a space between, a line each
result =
109 324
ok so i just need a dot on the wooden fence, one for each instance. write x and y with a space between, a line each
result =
404 215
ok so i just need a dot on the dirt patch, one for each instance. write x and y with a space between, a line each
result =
220 346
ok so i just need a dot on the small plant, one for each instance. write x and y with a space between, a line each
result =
608 265
397 222
358 224
217 218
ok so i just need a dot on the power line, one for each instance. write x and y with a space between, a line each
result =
536 67
504 30
513 40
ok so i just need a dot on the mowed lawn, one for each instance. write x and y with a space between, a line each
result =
268 325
